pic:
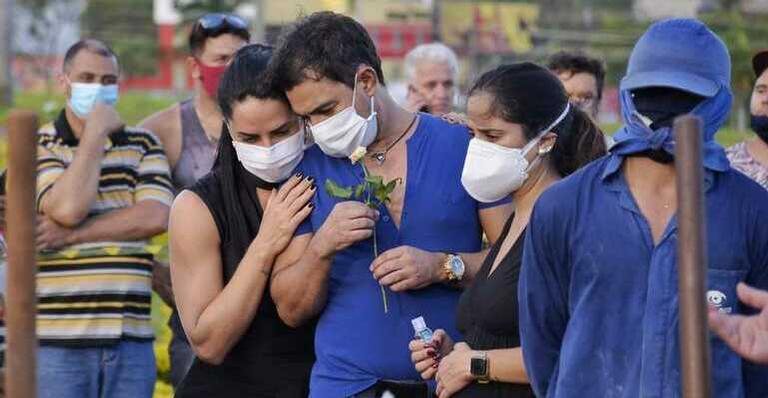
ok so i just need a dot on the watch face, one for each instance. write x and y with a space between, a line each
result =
457 266
478 367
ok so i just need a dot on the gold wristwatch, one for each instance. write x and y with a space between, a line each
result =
453 268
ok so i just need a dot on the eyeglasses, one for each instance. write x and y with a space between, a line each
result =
216 20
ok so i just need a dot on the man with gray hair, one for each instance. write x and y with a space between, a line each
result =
431 71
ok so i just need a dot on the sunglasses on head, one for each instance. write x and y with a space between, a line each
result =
216 20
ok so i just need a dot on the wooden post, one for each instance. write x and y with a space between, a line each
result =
21 300
692 258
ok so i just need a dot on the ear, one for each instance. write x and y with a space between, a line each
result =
61 79
411 91
193 67
367 81
547 143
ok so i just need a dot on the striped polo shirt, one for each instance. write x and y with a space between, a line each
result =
98 293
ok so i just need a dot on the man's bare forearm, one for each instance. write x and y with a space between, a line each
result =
69 200
300 290
140 221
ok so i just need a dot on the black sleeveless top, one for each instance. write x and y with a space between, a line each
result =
487 315
271 359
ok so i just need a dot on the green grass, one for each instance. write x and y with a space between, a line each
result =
133 106
727 136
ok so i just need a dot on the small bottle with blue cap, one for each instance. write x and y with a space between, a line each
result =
421 329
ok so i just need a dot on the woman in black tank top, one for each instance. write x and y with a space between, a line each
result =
225 232
522 106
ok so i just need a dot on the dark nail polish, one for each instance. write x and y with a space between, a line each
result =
311 206
435 365
299 175
311 179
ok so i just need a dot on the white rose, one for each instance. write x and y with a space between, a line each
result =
358 154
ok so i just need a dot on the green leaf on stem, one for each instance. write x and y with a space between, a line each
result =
359 191
375 181
381 192
337 191
392 185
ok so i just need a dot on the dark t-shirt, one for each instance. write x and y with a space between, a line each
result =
487 314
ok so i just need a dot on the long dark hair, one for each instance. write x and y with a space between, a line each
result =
244 78
527 94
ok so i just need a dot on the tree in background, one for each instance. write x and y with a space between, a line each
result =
744 35
610 29
193 9
129 28
43 33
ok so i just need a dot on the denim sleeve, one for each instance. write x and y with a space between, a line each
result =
756 376
543 297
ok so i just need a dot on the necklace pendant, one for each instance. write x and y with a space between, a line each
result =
380 157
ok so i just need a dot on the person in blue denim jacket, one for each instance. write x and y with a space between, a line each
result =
598 289
747 335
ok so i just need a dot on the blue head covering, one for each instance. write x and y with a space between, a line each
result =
681 54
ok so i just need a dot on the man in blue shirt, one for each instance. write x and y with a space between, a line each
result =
428 235
747 335
598 289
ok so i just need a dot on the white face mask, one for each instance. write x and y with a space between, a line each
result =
275 163
492 172
339 135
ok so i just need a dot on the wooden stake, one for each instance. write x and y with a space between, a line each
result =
21 300
692 258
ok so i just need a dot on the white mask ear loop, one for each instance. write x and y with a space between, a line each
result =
354 97
372 111
354 90
557 121
536 140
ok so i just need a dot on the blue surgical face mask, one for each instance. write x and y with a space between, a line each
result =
85 95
